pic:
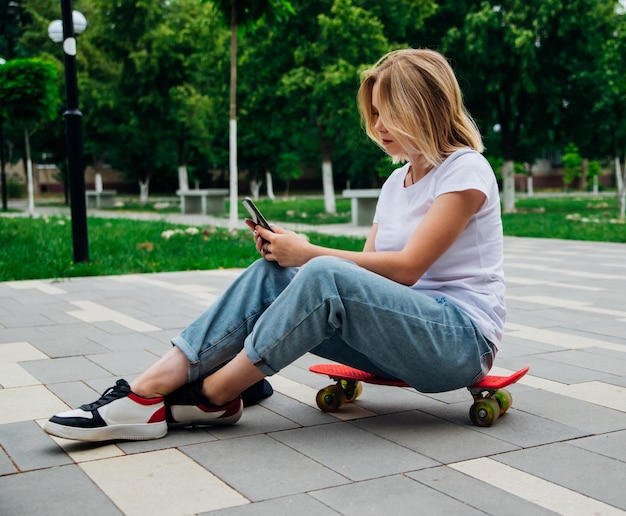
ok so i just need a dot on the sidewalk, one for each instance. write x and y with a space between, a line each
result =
560 449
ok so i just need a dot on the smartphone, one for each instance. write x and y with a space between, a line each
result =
255 214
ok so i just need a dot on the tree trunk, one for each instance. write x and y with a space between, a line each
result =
144 189
270 185
255 188
508 186
329 187
327 173
183 178
621 186
234 173
29 175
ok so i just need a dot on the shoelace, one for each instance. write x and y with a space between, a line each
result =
119 390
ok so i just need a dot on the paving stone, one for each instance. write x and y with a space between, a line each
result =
294 410
574 468
13 375
255 420
19 352
477 494
396 495
70 345
590 418
29 447
128 341
612 445
57 491
297 505
28 403
340 446
541 492
271 469
6 465
175 438
170 483
64 369
556 371
433 437
124 363
74 394
584 359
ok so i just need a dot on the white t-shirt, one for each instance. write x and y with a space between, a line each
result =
469 274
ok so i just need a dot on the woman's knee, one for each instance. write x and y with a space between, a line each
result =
321 266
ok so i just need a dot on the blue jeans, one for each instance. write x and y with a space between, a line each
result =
342 312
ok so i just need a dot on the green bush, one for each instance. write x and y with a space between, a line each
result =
15 189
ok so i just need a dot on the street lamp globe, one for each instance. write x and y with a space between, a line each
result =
79 21
55 29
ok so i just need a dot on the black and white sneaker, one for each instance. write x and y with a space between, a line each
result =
118 414
187 406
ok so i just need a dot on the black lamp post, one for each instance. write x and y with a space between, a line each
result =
71 21
3 177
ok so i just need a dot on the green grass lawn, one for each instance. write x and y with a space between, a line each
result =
570 218
42 247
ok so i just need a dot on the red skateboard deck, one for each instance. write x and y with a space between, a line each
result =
491 399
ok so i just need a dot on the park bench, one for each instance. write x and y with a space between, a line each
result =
362 204
100 198
207 201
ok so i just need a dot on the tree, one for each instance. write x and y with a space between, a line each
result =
155 109
240 12
516 61
28 96
604 87
324 81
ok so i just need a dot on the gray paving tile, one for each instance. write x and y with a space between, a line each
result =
29 447
59 491
303 415
527 430
64 369
574 468
340 446
553 369
128 341
517 348
70 345
297 505
6 465
271 469
595 362
175 438
18 334
124 363
612 445
433 437
255 420
476 494
397 495
67 340
588 417
74 394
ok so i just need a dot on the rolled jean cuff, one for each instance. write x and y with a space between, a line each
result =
256 359
193 371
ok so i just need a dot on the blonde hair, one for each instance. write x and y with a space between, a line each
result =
420 103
